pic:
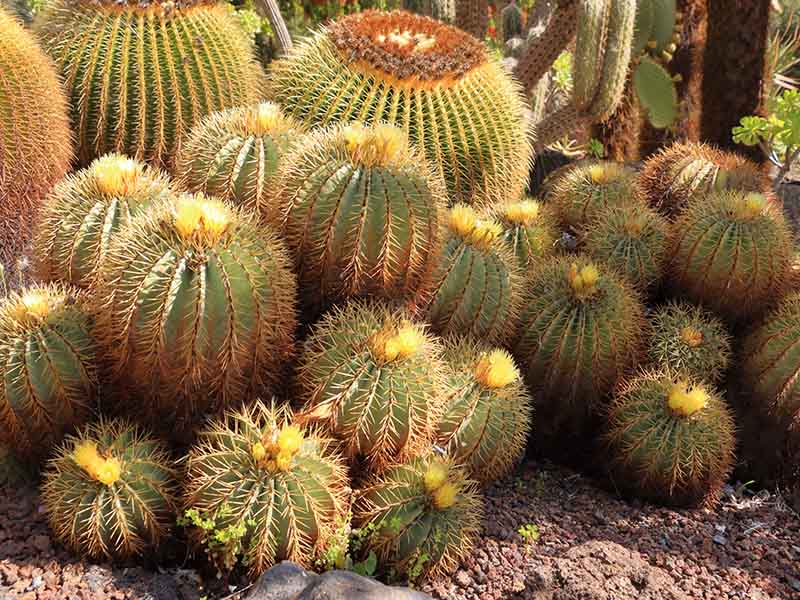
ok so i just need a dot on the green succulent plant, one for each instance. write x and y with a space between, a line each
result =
512 21
529 230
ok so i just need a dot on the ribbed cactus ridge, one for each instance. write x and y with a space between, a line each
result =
109 493
672 440
438 83
682 172
48 369
275 489
35 143
234 154
424 515
689 339
139 76
488 412
530 230
375 380
633 240
196 308
581 329
361 211
731 251
512 21
476 286
84 213
582 193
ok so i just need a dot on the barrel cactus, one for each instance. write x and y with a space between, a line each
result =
196 308
424 516
110 492
580 330
35 142
361 212
691 340
375 380
438 83
140 75
732 251
263 489
476 286
529 230
85 212
672 440
488 411
233 154
48 370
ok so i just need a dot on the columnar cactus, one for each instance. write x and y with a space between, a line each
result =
375 380
529 230
264 489
438 83
476 286
732 251
84 213
233 154
488 413
511 20
140 75
110 492
35 143
672 440
196 308
424 516
48 372
361 211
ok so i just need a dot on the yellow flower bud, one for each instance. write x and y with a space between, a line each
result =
445 496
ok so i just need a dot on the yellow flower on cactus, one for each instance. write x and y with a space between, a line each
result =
496 369
258 451
116 175
108 471
290 439
485 233
692 336
436 476
522 213
462 219
445 496
583 281
35 304
686 402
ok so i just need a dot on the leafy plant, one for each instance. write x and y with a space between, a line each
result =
529 534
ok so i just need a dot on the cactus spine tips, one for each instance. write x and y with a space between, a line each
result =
200 219
464 221
496 370
116 175
685 401
602 174
105 470
390 344
267 118
584 280
524 212
277 451
382 145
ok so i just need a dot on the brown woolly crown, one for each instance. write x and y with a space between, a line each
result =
406 45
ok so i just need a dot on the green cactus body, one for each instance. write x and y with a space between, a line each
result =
476 286
139 76
234 154
580 330
425 516
691 340
48 374
732 251
456 103
671 441
529 230
35 143
375 380
487 416
264 490
361 212
511 19
196 308
633 240
109 493
656 92
85 212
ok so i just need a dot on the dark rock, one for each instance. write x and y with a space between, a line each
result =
282 582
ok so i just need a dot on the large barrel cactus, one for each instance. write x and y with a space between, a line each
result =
361 212
48 373
196 308
437 82
139 75
84 213
35 144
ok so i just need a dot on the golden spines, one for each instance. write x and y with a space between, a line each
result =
381 145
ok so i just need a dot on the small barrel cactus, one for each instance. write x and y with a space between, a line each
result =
686 171
261 488
690 340
85 212
580 330
476 286
529 230
586 190
731 251
375 380
672 440
48 370
196 308
633 240
487 415
233 154
110 492
424 516
361 212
